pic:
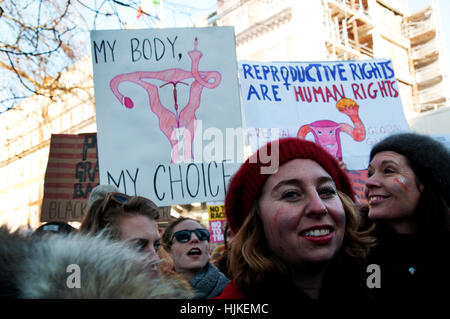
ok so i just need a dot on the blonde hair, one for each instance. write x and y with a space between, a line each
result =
252 263
98 219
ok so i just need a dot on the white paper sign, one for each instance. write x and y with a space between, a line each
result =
165 101
345 106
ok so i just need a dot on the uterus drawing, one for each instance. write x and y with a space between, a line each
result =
327 133
172 122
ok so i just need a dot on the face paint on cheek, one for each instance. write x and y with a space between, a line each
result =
287 222
273 228
178 254
400 184
282 221
276 224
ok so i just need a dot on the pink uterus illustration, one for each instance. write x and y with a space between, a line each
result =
172 122
327 133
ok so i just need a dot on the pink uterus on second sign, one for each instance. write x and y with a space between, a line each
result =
326 134
170 123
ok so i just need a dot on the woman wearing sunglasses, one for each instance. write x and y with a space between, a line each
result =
187 241
128 218
295 228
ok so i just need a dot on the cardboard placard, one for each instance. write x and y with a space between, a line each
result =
72 173
217 220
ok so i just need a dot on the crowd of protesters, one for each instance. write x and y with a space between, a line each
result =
294 233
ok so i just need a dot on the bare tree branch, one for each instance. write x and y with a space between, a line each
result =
42 38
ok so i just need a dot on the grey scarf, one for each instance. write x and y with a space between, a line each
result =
209 283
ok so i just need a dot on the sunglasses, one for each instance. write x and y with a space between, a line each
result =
183 236
116 198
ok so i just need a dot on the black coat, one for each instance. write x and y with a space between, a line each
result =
410 267
342 281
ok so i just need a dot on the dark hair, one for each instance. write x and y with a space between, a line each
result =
432 214
428 158
430 162
166 238
97 220
225 236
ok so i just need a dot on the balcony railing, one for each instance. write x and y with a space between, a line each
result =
430 94
423 50
428 72
415 29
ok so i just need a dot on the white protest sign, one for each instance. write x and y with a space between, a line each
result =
345 106
168 112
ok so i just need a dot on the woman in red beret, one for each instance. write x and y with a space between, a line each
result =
296 228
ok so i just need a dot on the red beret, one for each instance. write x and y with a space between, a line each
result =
248 181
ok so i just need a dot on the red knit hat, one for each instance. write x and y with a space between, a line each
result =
248 181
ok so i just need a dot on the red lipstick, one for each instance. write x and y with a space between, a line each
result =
319 234
321 240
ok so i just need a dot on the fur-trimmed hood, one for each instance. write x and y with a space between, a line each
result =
41 266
